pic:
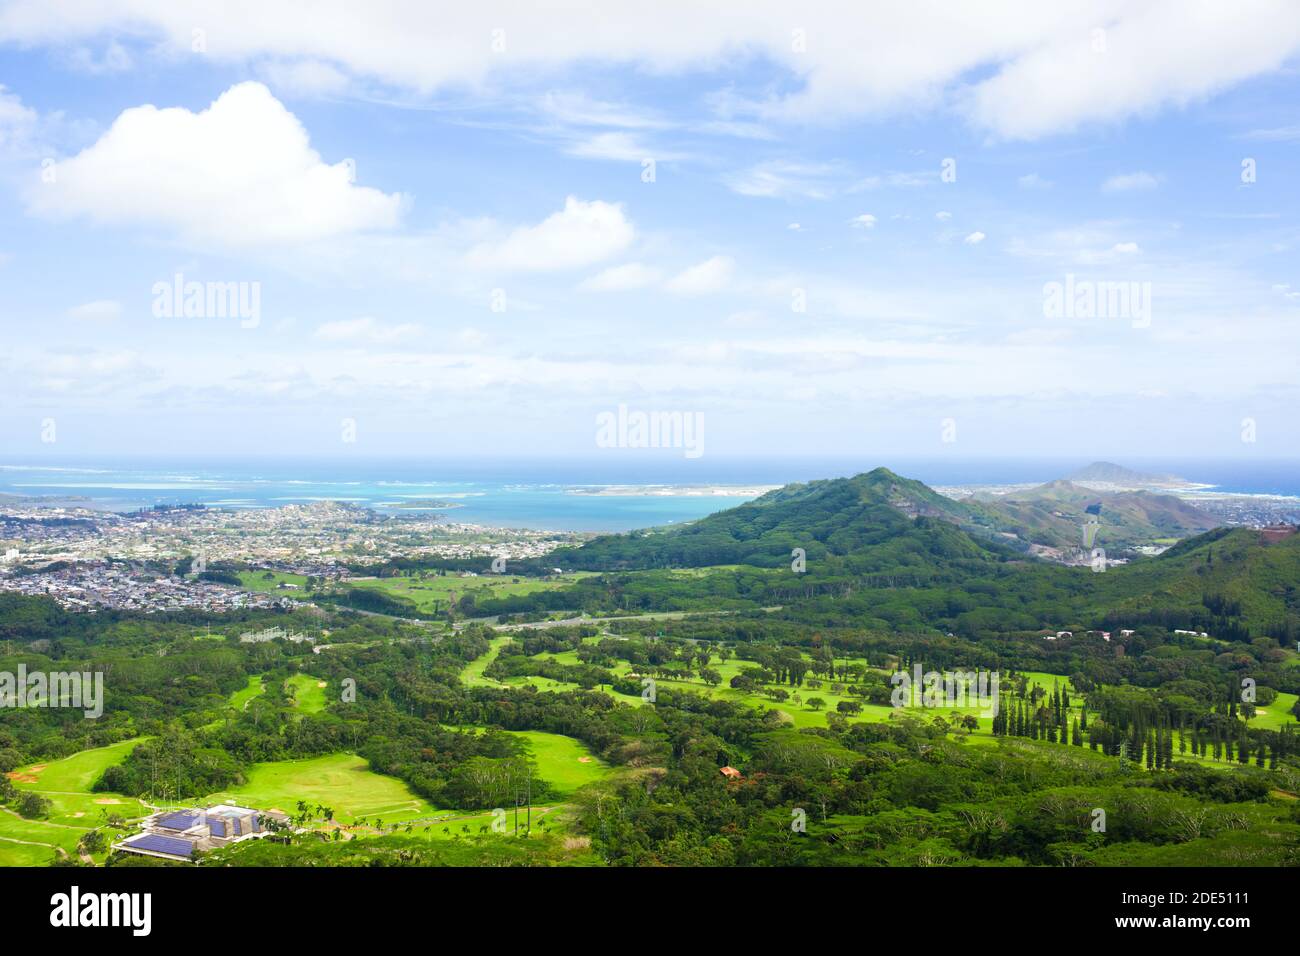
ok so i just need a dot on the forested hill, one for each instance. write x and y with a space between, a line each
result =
1051 514
872 516
867 518
888 549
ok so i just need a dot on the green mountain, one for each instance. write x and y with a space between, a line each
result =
869 521
885 552
874 518
1234 573
1053 514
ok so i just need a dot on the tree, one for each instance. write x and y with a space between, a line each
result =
815 703
33 805
93 842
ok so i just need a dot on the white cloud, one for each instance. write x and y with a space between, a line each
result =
974 239
580 234
241 172
620 146
472 338
632 275
895 180
864 221
711 275
99 309
576 108
17 124
1156 54
784 179
1127 182
115 59
1033 181
1278 134
365 330
305 77
1034 65
943 215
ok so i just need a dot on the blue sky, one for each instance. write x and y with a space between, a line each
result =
455 248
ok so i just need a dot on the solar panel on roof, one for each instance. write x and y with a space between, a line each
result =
161 844
218 828
178 821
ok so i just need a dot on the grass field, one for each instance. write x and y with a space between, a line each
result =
472 675
343 782
255 688
431 594
1277 714
308 693
35 842
563 762
75 773
258 580
74 809
340 781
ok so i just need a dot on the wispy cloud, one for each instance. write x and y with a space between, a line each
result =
1129 182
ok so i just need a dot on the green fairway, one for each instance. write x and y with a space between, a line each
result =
75 773
340 781
1276 715
431 593
34 842
74 810
15 853
563 762
472 675
307 693
255 688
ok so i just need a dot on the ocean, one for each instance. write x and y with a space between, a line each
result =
555 495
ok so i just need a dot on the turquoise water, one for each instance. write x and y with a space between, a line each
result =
539 494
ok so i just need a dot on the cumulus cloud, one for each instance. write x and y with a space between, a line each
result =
241 172
711 275
975 238
582 233
864 221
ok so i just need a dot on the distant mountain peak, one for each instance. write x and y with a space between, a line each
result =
1111 473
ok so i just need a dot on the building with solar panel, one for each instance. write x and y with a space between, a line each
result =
183 834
